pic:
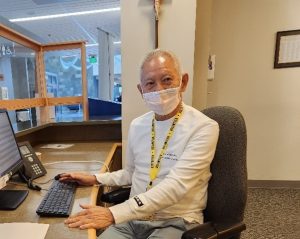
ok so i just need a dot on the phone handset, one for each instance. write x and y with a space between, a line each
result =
33 166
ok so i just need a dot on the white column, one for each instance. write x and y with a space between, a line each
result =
106 65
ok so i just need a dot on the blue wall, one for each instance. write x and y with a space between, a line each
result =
103 108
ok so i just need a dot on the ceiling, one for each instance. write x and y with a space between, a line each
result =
71 28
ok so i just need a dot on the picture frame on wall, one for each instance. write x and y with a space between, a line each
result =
1 77
287 51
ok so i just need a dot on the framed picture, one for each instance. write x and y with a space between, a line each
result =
1 77
287 52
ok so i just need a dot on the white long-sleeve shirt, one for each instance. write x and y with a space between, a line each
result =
180 190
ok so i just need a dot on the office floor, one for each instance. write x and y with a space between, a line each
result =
272 213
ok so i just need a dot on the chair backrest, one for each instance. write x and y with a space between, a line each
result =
227 189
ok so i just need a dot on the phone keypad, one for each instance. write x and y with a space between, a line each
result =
36 169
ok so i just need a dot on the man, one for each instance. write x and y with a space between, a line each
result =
168 162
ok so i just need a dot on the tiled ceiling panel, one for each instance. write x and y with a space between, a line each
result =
83 27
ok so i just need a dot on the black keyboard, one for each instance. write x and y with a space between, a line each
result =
58 201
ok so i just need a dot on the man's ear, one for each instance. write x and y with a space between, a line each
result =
140 89
184 81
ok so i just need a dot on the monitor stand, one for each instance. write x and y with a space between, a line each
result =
11 199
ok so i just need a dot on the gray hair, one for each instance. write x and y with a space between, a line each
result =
163 53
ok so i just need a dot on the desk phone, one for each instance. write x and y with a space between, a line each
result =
33 166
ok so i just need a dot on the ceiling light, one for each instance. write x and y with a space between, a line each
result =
90 45
96 44
25 19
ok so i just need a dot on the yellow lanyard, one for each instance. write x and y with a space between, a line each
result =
154 169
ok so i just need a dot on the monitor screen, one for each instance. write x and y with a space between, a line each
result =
10 158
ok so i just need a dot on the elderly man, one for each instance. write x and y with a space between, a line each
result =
168 161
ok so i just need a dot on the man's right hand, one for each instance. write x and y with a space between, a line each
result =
80 178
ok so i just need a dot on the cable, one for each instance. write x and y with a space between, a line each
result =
44 182
28 181
33 186
90 161
73 169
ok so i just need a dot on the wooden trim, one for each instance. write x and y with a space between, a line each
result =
95 189
273 184
103 169
156 33
39 102
84 83
22 103
41 85
18 38
42 89
64 101
62 46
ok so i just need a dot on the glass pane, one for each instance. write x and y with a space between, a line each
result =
69 112
64 79
17 77
93 74
117 79
17 71
63 73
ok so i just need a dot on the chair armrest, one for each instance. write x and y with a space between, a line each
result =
116 196
203 231
229 229
222 230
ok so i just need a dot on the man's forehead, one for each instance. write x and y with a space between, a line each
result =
157 72
159 62
161 59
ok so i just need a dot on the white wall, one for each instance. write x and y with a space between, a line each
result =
243 39
177 33
202 51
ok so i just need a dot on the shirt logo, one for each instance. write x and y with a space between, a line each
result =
138 201
171 156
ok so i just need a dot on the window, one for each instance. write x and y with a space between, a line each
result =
18 81
64 79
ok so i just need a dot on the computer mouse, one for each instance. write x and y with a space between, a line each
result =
57 177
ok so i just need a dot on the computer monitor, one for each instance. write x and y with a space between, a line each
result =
10 163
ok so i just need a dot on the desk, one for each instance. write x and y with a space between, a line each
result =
99 151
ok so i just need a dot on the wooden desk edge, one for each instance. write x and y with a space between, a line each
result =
95 189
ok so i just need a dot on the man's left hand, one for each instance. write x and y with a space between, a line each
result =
91 217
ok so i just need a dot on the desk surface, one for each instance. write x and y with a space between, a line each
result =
97 151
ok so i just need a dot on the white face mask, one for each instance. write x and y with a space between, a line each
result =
163 102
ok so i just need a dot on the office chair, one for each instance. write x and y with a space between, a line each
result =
227 188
